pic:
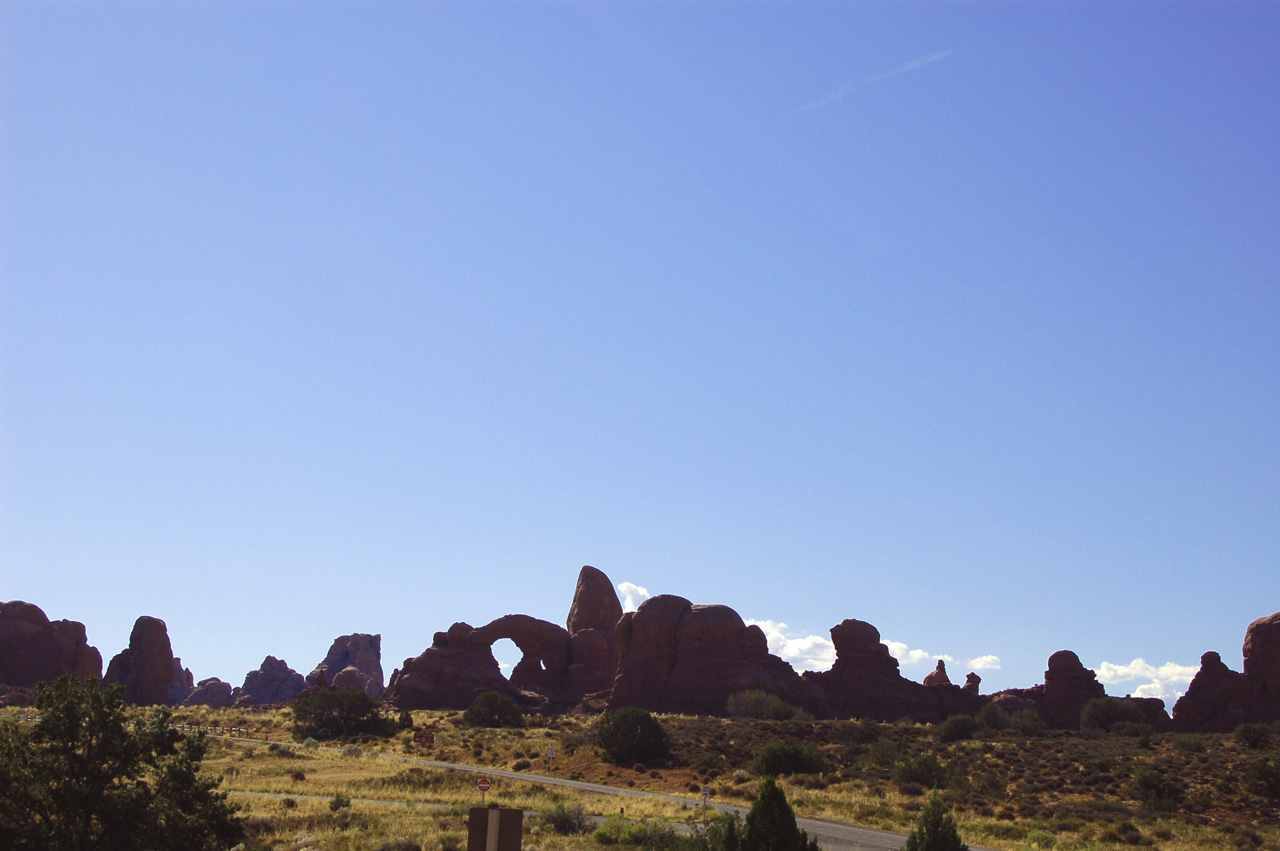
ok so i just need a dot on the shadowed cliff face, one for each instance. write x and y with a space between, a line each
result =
145 667
34 649
1220 699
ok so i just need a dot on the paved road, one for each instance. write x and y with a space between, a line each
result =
831 835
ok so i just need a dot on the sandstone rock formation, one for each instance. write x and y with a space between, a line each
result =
212 692
544 649
182 684
938 676
1219 699
273 682
595 603
145 667
34 649
449 674
864 682
1068 686
674 656
360 651
972 682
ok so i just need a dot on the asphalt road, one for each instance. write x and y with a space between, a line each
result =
831 835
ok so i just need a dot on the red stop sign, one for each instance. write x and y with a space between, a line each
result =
483 784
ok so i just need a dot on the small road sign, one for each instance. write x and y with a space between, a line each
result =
483 784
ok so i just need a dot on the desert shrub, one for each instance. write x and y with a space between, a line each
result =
353 751
522 765
771 824
1263 778
1189 743
1132 729
1103 713
491 709
988 783
755 703
339 801
631 735
566 819
617 830
399 845
1255 737
956 728
789 758
924 770
333 712
935 830
992 717
1041 839
87 777
723 833
1157 792
863 732
1028 722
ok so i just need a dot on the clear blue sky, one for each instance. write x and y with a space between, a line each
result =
961 319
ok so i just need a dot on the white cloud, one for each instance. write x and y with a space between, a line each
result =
985 663
632 595
1166 682
907 656
804 653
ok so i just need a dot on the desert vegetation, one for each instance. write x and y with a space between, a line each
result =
1007 783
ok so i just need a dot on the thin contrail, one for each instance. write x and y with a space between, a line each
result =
845 91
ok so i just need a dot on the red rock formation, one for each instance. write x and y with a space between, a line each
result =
1219 699
1068 686
145 668
938 676
544 649
595 603
182 684
971 682
34 649
360 651
273 682
864 682
211 692
674 656
449 674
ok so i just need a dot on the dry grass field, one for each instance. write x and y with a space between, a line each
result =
1064 790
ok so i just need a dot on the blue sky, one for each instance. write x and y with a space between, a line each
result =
961 319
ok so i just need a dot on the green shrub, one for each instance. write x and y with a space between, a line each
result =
1255 737
1041 839
1189 743
956 728
1028 722
862 732
1157 792
566 819
771 824
935 830
992 717
631 735
491 709
339 801
1263 778
924 770
1102 713
333 712
756 703
789 758
617 830
85 776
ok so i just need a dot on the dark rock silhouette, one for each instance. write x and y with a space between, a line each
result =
674 656
145 668
449 674
1219 699
593 622
360 651
971 682
182 684
595 603
212 692
864 682
273 682
938 676
34 649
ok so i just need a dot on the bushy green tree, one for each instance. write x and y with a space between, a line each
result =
771 824
789 758
1103 713
631 735
935 830
87 779
334 712
491 709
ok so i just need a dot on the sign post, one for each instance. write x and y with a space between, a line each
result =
551 757
484 786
